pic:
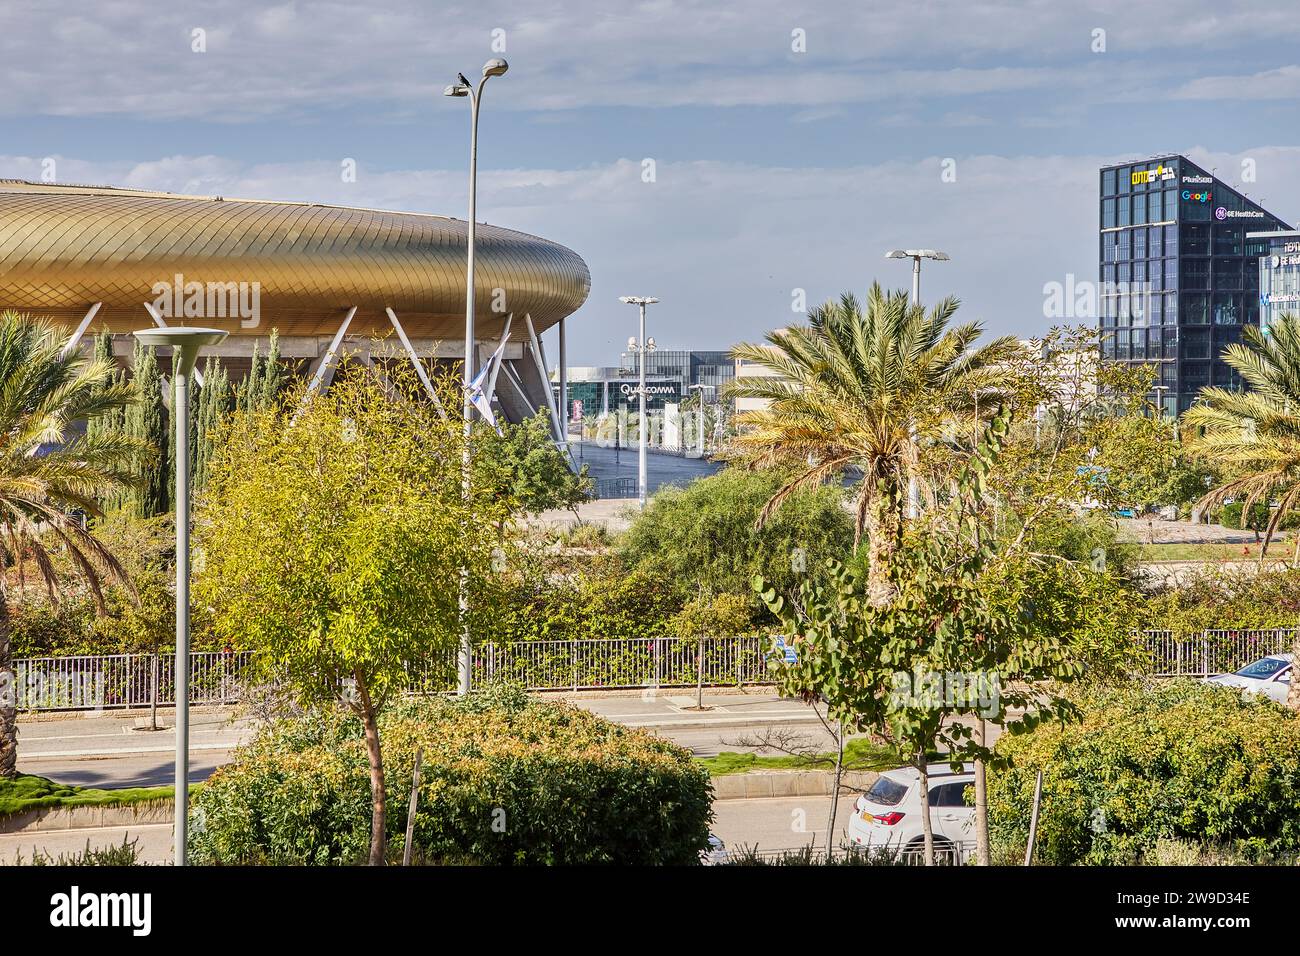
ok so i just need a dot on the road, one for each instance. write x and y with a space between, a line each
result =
106 750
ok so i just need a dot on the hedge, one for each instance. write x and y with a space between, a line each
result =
1182 760
504 780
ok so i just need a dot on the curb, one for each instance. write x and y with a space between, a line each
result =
787 783
46 819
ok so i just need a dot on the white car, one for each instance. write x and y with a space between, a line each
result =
889 814
1270 676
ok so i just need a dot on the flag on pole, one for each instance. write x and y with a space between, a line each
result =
478 395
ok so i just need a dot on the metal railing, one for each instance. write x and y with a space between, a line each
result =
1216 651
141 680
614 488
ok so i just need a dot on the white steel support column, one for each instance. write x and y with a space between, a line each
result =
560 437
501 357
81 330
415 360
564 385
325 371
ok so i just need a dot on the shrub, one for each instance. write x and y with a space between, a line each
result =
1231 516
1181 760
504 780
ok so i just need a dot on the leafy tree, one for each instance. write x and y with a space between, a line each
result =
704 617
146 424
1254 436
333 542
934 652
707 533
47 476
860 390
1144 461
522 465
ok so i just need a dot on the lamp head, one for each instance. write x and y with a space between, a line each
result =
496 67
187 341
631 343
650 344
455 89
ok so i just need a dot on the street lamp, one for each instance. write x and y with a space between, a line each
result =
185 344
462 87
916 255
648 345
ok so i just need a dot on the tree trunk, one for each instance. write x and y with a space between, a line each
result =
8 697
835 793
982 855
927 825
699 674
369 719
883 522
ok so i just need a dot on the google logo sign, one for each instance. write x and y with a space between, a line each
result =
1196 197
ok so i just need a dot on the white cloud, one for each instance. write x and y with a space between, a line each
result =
133 58
723 244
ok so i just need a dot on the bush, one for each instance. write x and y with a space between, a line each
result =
1231 516
703 535
1181 760
505 779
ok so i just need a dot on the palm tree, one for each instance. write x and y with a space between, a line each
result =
855 390
49 477
1254 435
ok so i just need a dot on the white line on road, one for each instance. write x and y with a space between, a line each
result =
120 751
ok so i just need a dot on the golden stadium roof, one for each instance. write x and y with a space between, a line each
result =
64 248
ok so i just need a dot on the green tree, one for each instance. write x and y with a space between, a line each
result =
707 535
146 424
945 647
1254 435
861 390
522 465
48 476
333 545
704 617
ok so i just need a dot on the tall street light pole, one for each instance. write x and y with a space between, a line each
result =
916 255
644 346
463 87
185 344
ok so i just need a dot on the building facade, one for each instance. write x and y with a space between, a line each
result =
333 281
1179 274
1279 275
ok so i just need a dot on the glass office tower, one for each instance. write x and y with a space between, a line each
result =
1179 276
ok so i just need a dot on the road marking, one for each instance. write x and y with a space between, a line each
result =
119 752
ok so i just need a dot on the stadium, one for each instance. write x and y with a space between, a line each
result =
336 283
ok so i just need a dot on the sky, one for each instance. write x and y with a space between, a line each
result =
733 159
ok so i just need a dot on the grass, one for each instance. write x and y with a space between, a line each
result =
29 792
860 754
1214 551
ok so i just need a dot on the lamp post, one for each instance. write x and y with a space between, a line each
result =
462 87
916 255
646 345
185 344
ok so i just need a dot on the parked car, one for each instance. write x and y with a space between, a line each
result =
1270 676
889 814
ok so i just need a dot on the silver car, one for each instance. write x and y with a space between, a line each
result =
1270 676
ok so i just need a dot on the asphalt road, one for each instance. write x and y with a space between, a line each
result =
107 750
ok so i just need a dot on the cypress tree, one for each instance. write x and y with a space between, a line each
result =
147 420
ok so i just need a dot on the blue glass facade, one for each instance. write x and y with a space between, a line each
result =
1179 277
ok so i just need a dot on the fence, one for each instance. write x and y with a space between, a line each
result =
1216 651
137 680
615 488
